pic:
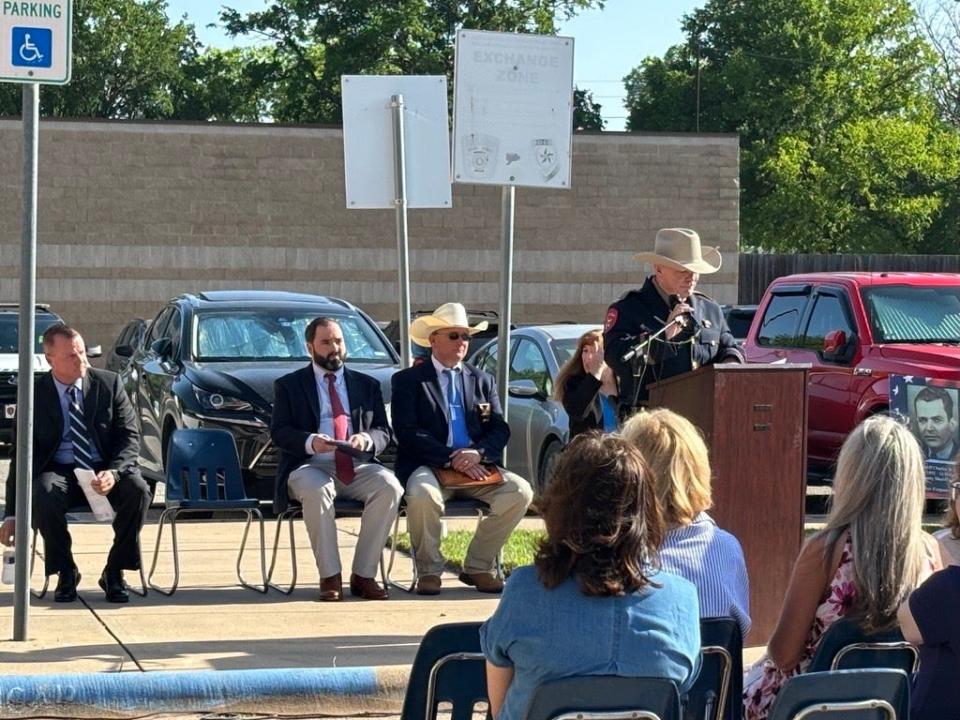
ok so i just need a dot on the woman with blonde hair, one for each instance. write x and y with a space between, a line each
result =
867 559
693 546
587 387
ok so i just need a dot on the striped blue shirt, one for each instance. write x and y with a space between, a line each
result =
712 560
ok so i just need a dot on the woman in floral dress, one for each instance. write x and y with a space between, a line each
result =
872 535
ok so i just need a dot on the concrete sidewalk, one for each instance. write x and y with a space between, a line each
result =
213 623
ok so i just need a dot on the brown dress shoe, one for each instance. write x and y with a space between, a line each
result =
331 588
484 582
367 588
428 585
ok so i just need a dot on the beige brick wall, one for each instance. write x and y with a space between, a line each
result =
131 214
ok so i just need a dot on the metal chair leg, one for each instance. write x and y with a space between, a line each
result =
293 555
262 588
33 559
393 556
172 515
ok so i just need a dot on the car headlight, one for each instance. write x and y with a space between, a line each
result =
217 401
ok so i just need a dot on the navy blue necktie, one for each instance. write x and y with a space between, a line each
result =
82 456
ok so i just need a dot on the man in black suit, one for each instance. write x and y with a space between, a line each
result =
83 420
446 414
316 406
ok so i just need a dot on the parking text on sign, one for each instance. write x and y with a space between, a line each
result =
32 9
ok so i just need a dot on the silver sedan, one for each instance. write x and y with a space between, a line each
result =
539 427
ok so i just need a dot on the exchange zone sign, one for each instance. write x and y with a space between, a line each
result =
35 41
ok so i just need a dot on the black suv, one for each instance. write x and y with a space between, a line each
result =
210 360
10 363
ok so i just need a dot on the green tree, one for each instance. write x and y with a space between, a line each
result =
126 58
842 149
586 112
312 44
222 85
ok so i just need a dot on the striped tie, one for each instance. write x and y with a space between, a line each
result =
82 457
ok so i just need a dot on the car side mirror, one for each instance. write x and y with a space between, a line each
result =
123 350
524 388
161 347
95 351
836 346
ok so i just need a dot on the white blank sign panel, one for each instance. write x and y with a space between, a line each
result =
368 150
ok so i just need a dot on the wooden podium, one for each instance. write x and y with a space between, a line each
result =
754 419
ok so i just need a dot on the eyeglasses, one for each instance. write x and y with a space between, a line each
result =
454 335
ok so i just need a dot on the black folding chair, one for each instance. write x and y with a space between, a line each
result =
34 553
844 695
343 507
604 697
454 508
204 476
718 692
845 646
448 668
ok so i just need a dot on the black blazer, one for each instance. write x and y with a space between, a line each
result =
421 422
581 400
296 416
110 419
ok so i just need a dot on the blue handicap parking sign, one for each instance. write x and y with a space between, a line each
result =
32 47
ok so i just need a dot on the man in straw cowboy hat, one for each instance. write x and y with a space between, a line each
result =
447 416
694 330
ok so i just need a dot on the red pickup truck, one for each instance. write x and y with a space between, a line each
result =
856 329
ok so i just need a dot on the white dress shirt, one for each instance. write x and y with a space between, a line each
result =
326 408
444 382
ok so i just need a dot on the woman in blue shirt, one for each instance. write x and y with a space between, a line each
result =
693 546
594 602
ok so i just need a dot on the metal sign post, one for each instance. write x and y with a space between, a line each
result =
403 241
385 118
28 301
512 125
36 46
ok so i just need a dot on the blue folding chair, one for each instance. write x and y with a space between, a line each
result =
844 695
845 646
448 668
454 508
343 507
204 476
596 697
718 692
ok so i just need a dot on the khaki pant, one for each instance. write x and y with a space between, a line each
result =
315 486
425 499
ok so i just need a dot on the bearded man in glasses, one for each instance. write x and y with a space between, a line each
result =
447 417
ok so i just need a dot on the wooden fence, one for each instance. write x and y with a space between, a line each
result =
757 271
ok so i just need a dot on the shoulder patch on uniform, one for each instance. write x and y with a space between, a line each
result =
611 319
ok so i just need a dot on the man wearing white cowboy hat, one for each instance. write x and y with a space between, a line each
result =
694 332
446 415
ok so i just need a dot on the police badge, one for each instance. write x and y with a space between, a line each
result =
545 155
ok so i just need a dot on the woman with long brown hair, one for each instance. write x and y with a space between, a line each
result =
587 387
594 602
949 537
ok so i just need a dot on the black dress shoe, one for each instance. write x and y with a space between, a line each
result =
111 582
67 586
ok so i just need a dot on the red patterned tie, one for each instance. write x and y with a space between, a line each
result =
345 471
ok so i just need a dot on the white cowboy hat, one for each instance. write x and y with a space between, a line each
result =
680 248
448 315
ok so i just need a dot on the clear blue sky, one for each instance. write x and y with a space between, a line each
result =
609 42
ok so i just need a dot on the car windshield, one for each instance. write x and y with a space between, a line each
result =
911 313
9 334
269 334
563 349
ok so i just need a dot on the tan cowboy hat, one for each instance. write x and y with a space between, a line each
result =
448 315
680 248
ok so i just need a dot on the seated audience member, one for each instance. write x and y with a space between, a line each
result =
870 555
315 406
84 421
587 387
594 602
930 619
949 537
447 416
693 547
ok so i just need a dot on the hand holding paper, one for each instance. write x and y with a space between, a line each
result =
102 510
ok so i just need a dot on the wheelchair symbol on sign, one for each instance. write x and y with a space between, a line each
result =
29 52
